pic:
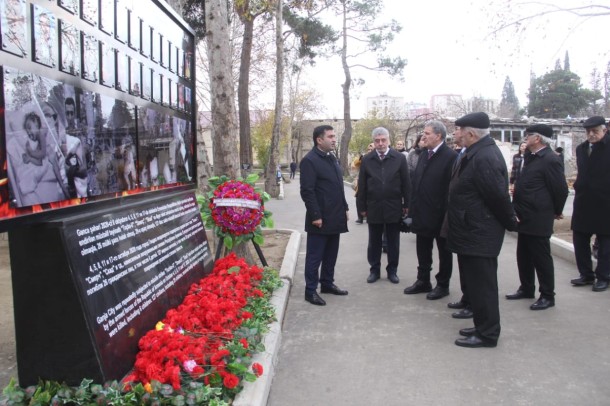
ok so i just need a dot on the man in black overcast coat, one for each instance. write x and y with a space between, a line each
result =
479 211
539 196
591 214
326 213
383 195
427 209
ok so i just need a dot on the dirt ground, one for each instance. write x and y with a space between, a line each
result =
273 251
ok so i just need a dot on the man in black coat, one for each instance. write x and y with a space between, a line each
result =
539 196
427 209
479 211
326 214
383 195
591 214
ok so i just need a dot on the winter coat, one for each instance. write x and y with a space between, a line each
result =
429 189
591 212
383 187
540 193
516 169
322 192
479 205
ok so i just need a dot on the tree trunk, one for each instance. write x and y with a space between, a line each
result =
347 118
243 98
271 185
222 94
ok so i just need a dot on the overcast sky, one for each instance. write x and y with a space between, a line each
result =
450 50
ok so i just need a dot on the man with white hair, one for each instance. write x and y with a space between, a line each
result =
539 196
479 211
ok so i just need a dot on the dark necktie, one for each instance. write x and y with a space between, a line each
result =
430 153
381 156
590 149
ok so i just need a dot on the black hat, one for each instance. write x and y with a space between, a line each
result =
541 129
475 120
594 121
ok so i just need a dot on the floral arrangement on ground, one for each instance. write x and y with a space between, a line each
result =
234 209
199 354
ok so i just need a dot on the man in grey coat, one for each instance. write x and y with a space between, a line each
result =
326 214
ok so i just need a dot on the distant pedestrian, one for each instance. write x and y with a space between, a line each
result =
539 196
517 164
326 214
293 169
413 155
592 205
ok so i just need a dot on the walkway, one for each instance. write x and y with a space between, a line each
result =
377 346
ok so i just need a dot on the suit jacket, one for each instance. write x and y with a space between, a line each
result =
540 192
479 205
322 192
591 212
429 190
383 187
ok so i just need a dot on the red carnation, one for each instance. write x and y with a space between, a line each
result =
257 368
230 381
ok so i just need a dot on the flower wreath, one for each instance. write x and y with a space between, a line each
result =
234 209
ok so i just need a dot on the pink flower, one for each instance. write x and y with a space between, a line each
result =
189 365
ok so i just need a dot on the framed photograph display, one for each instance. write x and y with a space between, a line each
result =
146 82
135 74
187 100
166 94
122 24
13 26
146 40
170 62
107 16
135 24
69 48
155 53
180 62
45 36
89 11
122 71
90 57
187 65
69 5
108 74
179 98
157 85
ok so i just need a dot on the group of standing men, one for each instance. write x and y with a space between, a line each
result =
461 201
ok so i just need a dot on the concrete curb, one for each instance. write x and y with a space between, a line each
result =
256 393
560 249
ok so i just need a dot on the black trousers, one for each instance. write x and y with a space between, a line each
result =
392 231
582 252
534 259
424 245
321 249
481 276
465 299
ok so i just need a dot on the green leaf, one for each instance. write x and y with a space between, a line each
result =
228 241
266 197
269 223
233 269
252 178
258 239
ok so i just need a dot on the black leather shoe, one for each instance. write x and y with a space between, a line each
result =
359 221
372 278
315 299
465 313
467 332
542 303
582 281
437 293
418 287
457 305
519 295
392 277
333 289
474 342
600 286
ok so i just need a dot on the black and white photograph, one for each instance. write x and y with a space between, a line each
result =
146 83
122 71
69 48
108 72
89 11
13 26
135 81
122 25
135 24
90 57
45 36
69 5
107 16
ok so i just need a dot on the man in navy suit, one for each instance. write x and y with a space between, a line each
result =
427 209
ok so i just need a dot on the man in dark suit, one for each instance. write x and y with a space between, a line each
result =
479 212
383 195
539 196
592 205
427 209
326 213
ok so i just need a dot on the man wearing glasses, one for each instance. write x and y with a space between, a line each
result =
539 196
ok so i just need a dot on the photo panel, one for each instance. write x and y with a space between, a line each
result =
170 59
179 96
146 40
187 65
107 16
157 86
122 23
155 54
188 106
87 105
122 71
13 27
69 5
89 11
135 81
146 82
45 36
180 65
69 48
166 93
90 57
108 74
180 154
135 29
